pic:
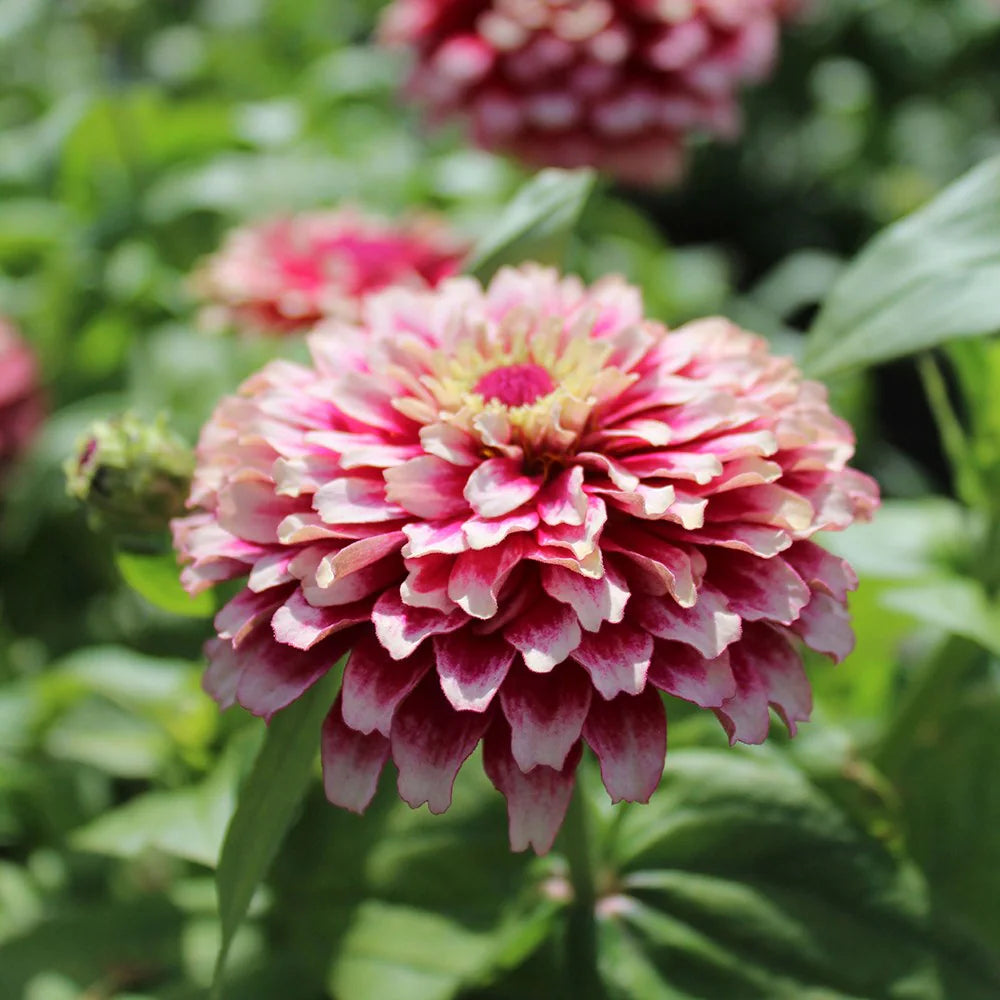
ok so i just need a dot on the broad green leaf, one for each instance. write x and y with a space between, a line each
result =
928 279
744 879
85 941
267 803
464 909
157 579
186 823
955 604
947 777
908 539
538 223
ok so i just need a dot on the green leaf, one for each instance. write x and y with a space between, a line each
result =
928 279
947 776
745 879
537 225
157 579
464 909
267 803
187 823
955 604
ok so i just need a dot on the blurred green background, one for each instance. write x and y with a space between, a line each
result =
133 135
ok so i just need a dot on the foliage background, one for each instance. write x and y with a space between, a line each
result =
132 135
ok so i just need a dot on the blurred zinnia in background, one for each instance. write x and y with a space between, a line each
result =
286 274
21 406
616 84
527 511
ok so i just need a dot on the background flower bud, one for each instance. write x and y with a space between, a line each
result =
133 477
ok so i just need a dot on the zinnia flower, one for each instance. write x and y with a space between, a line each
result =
20 395
286 274
615 84
527 512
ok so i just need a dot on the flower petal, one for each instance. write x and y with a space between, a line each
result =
545 634
471 668
430 742
546 714
352 762
374 684
537 801
499 486
401 628
594 601
709 626
629 736
617 658
683 672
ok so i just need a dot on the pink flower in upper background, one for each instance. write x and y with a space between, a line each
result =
616 84
21 408
527 511
286 274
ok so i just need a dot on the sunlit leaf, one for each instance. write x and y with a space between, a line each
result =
926 280
267 804
157 579
538 223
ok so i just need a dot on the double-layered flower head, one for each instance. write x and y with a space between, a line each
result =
20 396
528 513
286 274
616 84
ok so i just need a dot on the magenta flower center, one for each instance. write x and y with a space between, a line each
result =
515 385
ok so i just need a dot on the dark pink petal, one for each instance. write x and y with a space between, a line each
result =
435 537
249 509
471 668
759 589
822 570
562 501
427 487
299 625
239 616
825 626
357 556
669 569
430 742
401 628
617 658
426 586
498 486
767 671
537 801
355 500
476 577
709 626
352 762
222 677
375 684
767 503
545 634
271 571
594 601
546 713
274 676
629 736
483 533
683 672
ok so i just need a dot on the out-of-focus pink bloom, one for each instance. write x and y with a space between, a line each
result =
286 274
528 512
615 84
21 406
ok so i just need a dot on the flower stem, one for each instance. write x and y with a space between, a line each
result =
581 936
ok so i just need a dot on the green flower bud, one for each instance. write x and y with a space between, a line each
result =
133 478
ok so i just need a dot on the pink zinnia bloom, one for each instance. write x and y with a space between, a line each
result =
527 511
284 275
20 396
616 84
